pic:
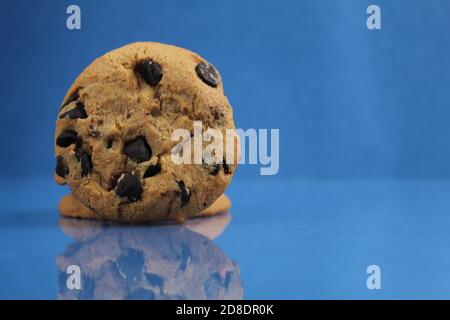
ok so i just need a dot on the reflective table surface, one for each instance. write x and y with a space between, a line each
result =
282 239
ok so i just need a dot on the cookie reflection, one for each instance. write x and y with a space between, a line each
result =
149 262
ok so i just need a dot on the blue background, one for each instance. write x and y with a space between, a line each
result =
349 102
364 134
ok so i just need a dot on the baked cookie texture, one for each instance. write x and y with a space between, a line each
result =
71 207
113 134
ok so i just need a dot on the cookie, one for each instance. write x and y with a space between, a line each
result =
59 180
113 134
222 204
71 207
132 262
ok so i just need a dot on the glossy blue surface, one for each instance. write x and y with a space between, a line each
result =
364 157
289 239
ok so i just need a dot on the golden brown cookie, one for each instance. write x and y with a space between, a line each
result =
59 180
113 134
70 206
222 204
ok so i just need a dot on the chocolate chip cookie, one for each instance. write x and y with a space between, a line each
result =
113 136
71 207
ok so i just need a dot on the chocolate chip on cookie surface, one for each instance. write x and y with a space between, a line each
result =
75 113
61 167
84 158
129 186
150 71
66 138
152 170
207 73
138 149
113 133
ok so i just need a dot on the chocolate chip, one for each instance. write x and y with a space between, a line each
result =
152 170
213 169
73 97
138 150
61 168
109 143
75 113
207 73
84 158
226 168
66 138
216 113
150 71
129 186
184 193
